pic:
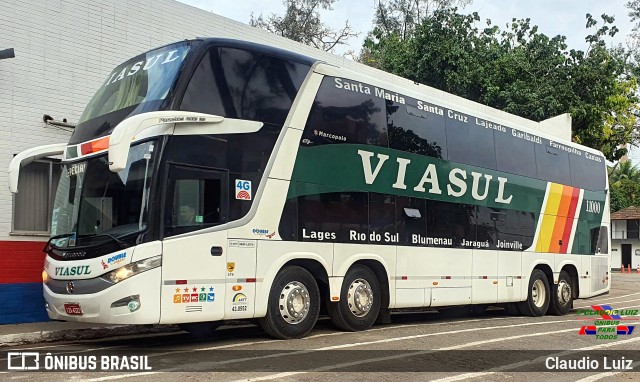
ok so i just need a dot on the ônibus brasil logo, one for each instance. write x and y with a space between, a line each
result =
607 326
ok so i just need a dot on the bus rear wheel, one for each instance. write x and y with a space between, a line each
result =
537 302
561 295
360 300
294 304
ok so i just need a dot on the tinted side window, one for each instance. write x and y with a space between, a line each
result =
411 222
243 84
587 173
552 164
333 216
453 221
202 94
468 142
603 240
515 155
382 218
508 230
416 130
345 111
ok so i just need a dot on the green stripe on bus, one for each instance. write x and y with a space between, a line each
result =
344 167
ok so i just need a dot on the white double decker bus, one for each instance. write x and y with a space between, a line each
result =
214 179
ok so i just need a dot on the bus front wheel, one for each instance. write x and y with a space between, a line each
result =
539 295
294 304
360 301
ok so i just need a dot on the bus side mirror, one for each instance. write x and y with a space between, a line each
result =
27 156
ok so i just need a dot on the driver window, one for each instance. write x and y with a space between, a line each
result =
194 200
187 202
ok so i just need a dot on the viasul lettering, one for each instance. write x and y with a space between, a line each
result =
456 187
73 271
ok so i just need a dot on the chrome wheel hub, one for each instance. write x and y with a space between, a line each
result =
294 302
564 292
538 293
360 297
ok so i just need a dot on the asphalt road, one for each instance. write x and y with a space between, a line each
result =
438 346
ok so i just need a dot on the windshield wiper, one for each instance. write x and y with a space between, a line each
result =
121 243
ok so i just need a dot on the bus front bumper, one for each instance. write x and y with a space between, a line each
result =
133 301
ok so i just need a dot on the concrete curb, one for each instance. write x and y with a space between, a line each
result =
83 334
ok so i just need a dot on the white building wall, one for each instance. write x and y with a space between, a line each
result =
66 48
616 253
619 237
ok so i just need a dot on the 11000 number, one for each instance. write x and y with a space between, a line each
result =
593 206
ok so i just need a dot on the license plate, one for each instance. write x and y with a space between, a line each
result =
73 309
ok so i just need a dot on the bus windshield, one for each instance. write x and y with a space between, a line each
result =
144 78
92 201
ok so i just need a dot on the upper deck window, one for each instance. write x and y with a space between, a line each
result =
347 111
147 77
553 163
243 84
417 129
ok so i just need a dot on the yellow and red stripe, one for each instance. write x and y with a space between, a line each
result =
557 219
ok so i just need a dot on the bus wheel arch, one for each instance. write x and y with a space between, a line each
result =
383 279
538 292
364 291
572 271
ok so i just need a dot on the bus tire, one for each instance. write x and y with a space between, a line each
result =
360 300
200 329
561 295
294 304
538 297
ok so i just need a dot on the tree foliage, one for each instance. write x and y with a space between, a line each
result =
623 171
401 17
632 53
624 194
624 185
301 22
519 70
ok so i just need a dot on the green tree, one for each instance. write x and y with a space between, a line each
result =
632 52
401 17
623 171
623 194
301 22
624 185
521 71
398 19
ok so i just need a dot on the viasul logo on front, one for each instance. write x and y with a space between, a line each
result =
608 322
73 271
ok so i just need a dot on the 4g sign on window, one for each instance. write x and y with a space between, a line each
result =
243 189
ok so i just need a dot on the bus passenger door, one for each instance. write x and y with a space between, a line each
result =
194 265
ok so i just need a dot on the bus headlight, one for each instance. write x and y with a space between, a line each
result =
133 269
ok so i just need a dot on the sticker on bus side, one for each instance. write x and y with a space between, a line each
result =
243 189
